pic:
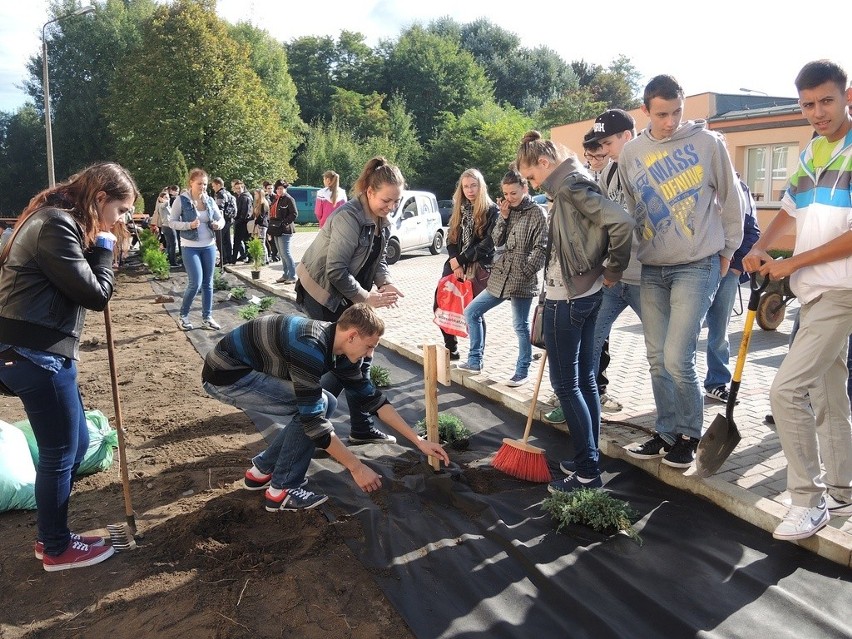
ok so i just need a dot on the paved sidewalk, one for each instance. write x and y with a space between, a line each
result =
750 485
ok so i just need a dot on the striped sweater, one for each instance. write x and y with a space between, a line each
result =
820 198
297 349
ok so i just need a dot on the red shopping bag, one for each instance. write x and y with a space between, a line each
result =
453 296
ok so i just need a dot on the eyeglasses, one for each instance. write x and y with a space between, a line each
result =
594 156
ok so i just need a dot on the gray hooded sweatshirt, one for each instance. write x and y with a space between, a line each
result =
684 195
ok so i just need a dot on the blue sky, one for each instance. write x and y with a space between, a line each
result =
737 45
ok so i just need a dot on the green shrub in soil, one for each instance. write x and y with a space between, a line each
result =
249 312
380 376
266 303
594 508
219 281
238 293
450 428
158 263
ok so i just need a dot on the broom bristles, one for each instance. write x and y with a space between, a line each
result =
518 459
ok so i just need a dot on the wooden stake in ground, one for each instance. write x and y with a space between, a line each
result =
436 367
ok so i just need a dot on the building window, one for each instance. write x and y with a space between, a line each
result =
768 169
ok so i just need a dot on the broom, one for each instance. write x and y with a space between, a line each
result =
518 458
123 536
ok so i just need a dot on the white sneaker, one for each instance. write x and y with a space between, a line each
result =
610 404
210 324
837 508
801 522
185 324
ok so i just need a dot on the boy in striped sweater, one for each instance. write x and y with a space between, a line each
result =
271 367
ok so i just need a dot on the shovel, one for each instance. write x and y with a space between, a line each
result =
720 439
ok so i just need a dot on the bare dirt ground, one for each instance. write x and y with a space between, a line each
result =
211 562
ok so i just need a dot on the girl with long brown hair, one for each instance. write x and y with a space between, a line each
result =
57 264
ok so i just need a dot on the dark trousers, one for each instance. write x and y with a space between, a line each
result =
271 247
223 240
241 238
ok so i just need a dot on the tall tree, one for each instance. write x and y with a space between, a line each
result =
434 75
268 59
195 91
311 59
23 158
575 105
85 54
485 137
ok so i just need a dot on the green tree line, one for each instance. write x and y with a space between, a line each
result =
160 87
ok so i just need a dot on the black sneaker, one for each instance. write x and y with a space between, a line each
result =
294 499
455 355
682 453
651 449
372 436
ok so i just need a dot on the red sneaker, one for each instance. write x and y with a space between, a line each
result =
89 540
77 555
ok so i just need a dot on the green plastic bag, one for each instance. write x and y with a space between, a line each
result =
17 472
102 440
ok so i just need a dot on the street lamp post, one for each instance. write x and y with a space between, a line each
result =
754 91
51 178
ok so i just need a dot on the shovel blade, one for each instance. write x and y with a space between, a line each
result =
716 445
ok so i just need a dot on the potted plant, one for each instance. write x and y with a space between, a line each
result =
255 251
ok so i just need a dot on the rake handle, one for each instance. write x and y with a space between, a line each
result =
122 456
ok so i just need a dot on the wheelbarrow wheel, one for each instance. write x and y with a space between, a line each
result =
770 311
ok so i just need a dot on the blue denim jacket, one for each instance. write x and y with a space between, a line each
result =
188 213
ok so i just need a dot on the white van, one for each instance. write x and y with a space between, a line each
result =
415 224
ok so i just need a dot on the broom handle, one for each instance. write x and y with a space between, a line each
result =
122 457
534 402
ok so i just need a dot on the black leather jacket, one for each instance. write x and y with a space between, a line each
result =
47 283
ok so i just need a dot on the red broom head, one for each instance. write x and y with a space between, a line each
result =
523 461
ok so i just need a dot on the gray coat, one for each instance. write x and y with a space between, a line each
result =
523 240
340 250
590 234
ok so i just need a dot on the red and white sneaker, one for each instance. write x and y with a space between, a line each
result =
89 540
255 480
77 555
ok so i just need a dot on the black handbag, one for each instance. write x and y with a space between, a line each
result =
537 323
276 226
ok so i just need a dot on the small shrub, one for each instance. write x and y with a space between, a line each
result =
596 509
266 303
255 251
249 312
238 293
380 376
219 281
158 263
450 428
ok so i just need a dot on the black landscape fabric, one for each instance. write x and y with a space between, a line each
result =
469 552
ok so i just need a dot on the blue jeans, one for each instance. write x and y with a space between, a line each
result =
675 300
171 244
274 399
613 303
287 263
483 303
55 410
569 330
718 318
199 262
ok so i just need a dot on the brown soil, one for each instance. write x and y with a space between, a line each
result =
211 562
